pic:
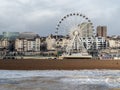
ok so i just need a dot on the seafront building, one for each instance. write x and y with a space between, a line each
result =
101 31
99 42
6 38
51 42
114 42
4 43
27 42
54 42
95 43
31 42
87 29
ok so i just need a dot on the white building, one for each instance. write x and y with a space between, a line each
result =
6 37
101 43
61 42
65 42
87 29
4 43
51 42
88 42
97 42
114 43
28 42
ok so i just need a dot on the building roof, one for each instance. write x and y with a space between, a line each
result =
28 35
56 36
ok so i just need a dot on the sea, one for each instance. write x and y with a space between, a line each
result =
60 79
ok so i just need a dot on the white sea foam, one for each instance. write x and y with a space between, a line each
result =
109 78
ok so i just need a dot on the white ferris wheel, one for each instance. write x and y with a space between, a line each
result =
76 26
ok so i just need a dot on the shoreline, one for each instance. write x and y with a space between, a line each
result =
65 64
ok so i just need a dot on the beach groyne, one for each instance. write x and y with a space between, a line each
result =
65 64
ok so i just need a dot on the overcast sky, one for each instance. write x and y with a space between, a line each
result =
41 16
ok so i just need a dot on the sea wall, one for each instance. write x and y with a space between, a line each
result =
72 64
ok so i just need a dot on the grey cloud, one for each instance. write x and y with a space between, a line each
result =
41 16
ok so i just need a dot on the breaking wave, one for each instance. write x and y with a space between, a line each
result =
108 78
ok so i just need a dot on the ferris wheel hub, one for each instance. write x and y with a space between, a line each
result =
75 32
